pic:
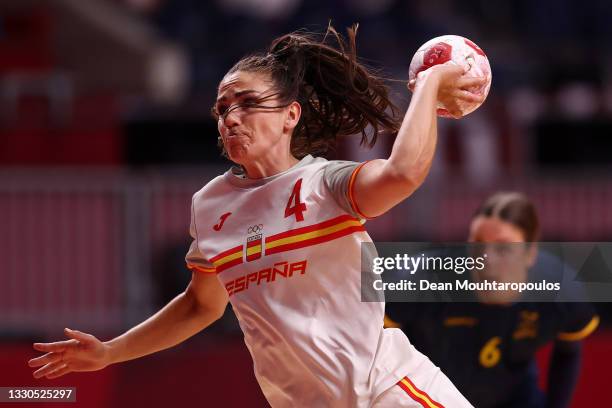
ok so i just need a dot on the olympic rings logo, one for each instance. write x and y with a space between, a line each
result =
254 229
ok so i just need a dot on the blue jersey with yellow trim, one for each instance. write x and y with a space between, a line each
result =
488 351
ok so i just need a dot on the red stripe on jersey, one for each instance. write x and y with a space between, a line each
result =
311 228
226 253
254 256
229 264
417 394
221 266
315 241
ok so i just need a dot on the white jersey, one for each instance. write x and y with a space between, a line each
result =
288 253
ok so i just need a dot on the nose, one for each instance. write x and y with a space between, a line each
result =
230 118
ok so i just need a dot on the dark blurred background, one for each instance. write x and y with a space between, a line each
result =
105 134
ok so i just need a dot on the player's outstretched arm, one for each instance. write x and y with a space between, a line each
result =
202 303
382 184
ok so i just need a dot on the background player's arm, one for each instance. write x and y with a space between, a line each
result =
566 357
563 373
382 184
202 303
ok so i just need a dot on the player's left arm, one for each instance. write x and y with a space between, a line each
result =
565 362
381 184
563 373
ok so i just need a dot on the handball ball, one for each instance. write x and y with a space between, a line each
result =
457 50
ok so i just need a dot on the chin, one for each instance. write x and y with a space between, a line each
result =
238 154
236 158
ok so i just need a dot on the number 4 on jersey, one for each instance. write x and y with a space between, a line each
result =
295 205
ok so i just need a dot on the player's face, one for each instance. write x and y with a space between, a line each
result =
493 229
508 256
250 121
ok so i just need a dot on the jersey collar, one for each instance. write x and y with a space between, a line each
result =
239 179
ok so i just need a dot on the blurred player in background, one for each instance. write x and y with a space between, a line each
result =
279 235
488 349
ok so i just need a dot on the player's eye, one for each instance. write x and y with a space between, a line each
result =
246 103
249 102
220 110
503 249
214 111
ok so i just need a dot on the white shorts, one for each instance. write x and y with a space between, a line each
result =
425 386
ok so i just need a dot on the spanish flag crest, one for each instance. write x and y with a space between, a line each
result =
254 247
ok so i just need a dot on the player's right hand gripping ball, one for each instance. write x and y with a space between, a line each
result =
458 50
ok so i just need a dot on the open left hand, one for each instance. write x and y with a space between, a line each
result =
83 352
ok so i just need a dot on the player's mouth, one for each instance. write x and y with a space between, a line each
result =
231 136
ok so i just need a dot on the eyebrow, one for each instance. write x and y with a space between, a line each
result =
238 94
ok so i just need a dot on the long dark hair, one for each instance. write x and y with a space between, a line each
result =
514 208
338 95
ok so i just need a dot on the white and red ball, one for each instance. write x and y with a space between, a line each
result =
458 50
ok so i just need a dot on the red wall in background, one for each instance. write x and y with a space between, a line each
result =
593 382
195 374
220 374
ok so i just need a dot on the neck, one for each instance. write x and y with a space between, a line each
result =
269 165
